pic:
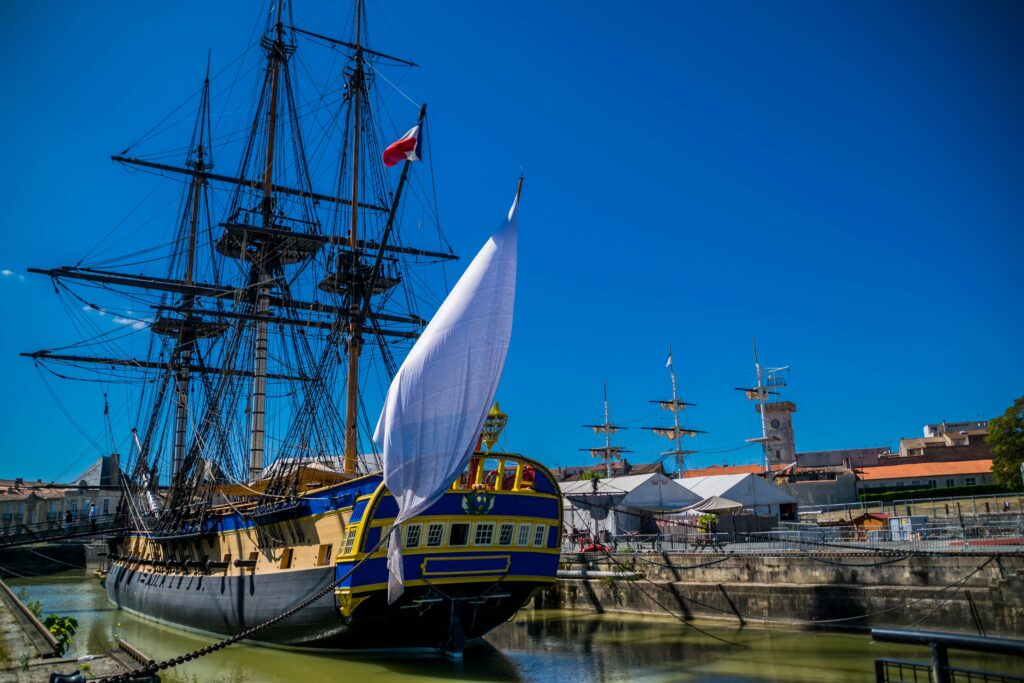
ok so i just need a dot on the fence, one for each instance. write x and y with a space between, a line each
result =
1004 533
944 506
938 669
22 534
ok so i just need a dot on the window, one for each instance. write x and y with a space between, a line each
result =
484 533
74 508
323 556
106 506
434 533
412 536
505 535
915 482
538 535
950 482
970 481
350 540
459 534
524 535
286 558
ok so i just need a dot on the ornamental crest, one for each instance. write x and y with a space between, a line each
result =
478 503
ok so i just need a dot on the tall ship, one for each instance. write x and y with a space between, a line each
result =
258 335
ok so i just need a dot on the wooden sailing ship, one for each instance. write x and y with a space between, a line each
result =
253 481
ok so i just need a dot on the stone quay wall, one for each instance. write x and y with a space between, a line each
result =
973 593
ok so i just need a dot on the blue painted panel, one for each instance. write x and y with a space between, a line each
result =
371 539
504 505
542 484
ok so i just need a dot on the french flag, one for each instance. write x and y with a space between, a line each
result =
408 147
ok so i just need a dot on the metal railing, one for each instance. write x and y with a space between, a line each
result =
948 506
23 534
938 669
813 538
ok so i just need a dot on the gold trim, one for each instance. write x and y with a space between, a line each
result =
458 579
428 560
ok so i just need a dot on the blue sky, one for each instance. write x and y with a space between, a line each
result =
842 180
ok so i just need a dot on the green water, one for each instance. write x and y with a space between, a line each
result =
536 646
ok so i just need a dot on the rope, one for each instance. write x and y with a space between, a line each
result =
151 669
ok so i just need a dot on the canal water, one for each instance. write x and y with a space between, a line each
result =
537 645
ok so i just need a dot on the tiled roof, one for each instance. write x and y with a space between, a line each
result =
925 469
729 469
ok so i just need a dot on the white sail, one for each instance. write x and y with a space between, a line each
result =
437 402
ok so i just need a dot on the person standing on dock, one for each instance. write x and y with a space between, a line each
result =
92 517
68 522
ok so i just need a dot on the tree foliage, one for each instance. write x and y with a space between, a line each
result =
591 474
1006 440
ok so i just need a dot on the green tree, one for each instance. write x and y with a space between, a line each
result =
591 474
1006 439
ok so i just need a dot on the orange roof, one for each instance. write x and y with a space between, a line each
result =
728 469
925 469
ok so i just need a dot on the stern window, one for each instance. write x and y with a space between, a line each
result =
412 536
524 535
538 535
505 535
484 534
459 534
350 540
434 532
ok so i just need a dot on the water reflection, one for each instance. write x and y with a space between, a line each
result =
541 645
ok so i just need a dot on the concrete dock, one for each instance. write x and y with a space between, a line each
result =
30 653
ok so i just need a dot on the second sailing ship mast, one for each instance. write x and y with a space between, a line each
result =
676 432
608 452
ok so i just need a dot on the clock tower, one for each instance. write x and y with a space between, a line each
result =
779 443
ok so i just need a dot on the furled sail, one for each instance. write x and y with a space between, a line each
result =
437 402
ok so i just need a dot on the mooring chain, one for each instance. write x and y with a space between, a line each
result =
151 669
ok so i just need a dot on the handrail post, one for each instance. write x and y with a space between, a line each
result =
940 663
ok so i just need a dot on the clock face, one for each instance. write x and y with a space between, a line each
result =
775 424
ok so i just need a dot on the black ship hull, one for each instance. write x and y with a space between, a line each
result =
227 605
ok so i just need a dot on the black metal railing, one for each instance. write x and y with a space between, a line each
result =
23 534
939 670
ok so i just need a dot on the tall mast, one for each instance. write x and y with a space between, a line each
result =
187 338
261 270
355 340
677 431
608 452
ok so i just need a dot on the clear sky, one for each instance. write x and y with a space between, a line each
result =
841 179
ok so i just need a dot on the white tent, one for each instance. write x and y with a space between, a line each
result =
757 495
619 505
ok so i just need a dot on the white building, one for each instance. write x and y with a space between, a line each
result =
620 505
755 493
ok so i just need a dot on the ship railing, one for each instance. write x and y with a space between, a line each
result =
496 472
939 669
